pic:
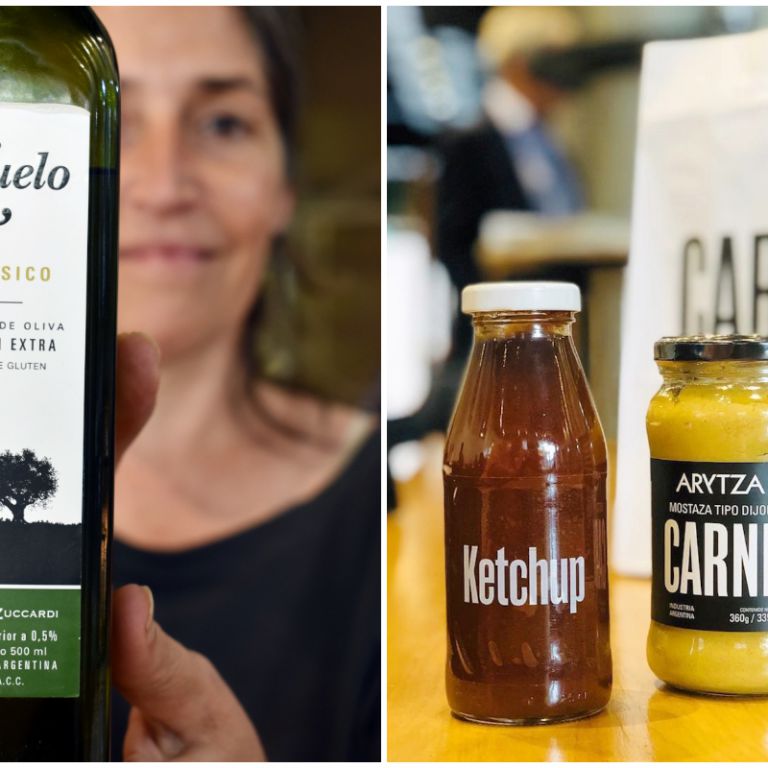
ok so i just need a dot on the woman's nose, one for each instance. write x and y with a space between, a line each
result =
156 173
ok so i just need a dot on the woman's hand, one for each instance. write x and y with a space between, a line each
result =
181 707
138 375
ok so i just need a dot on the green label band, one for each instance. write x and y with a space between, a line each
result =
39 642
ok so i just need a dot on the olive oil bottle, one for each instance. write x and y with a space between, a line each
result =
59 144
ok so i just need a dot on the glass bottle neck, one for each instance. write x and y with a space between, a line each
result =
538 324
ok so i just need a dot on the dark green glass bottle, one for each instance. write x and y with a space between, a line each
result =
59 149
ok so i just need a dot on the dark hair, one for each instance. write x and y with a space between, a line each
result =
276 34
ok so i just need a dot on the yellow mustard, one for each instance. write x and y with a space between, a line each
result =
708 435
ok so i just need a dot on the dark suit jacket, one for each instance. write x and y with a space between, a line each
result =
477 177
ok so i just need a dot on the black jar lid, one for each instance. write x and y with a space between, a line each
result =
711 348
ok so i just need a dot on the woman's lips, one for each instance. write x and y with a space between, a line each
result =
168 254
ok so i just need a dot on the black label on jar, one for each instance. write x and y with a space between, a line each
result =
710 539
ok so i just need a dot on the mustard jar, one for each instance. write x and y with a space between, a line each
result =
708 434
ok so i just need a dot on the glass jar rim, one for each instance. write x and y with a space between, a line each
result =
711 348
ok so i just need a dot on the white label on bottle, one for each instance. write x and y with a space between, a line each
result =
44 188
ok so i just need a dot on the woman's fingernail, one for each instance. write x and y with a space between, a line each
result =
155 345
152 355
150 607
155 354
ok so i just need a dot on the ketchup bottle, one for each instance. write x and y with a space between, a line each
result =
525 516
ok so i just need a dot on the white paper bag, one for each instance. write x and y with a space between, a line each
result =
699 254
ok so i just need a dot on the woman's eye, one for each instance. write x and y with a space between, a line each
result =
227 126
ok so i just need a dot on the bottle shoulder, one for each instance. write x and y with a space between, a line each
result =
56 55
526 453
525 412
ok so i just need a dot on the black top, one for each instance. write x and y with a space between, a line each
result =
289 613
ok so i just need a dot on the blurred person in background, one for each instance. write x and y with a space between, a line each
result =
509 161
249 508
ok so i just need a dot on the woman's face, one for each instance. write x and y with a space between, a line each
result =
203 188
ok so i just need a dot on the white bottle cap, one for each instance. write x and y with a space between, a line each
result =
521 297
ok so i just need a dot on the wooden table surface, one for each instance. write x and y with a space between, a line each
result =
643 721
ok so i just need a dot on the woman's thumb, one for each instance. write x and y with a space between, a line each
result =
161 677
183 702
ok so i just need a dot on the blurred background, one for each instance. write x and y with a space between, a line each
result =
329 273
510 154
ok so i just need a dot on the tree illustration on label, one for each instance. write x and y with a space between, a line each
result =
25 479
